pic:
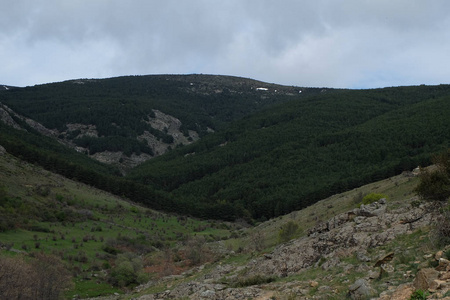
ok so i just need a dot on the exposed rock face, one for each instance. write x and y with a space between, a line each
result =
6 118
342 234
346 234
433 282
160 121
171 125
85 130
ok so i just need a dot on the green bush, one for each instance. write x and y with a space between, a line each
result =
254 280
419 295
128 270
435 185
287 231
372 197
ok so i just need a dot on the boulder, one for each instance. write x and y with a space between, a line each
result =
361 289
426 279
444 264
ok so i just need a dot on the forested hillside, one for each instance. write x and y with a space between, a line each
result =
265 149
290 156
120 109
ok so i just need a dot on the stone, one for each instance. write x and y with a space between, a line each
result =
362 257
445 276
208 294
402 292
438 255
425 279
361 289
313 283
443 264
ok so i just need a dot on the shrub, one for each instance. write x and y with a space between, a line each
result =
287 231
123 274
128 270
254 280
435 185
419 295
372 197
43 277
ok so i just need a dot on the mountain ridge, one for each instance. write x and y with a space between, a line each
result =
259 152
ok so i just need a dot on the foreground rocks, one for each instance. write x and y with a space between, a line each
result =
353 232
339 248
326 246
434 282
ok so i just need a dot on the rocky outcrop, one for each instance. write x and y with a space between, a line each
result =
171 126
5 116
433 282
326 246
352 232
160 121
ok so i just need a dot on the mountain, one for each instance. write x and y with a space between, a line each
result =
223 147
127 120
6 87
295 153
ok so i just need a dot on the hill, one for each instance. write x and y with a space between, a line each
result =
293 154
127 120
109 245
86 232
239 148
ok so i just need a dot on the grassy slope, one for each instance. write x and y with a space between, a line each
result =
117 217
91 219
410 248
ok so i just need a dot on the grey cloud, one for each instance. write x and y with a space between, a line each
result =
352 43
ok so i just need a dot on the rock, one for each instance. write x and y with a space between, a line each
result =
372 210
443 264
384 260
330 263
362 257
425 279
361 289
402 292
445 276
373 274
2 150
438 255
208 294
313 283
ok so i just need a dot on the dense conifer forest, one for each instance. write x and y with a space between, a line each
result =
261 153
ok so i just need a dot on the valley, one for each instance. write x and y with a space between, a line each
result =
214 187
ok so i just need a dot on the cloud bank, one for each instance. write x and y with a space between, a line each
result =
349 43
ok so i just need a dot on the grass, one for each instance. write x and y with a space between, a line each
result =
102 219
91 219
91 289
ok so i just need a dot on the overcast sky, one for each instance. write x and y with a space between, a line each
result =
320 43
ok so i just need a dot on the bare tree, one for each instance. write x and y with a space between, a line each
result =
44 277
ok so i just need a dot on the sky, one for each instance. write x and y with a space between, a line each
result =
310 43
